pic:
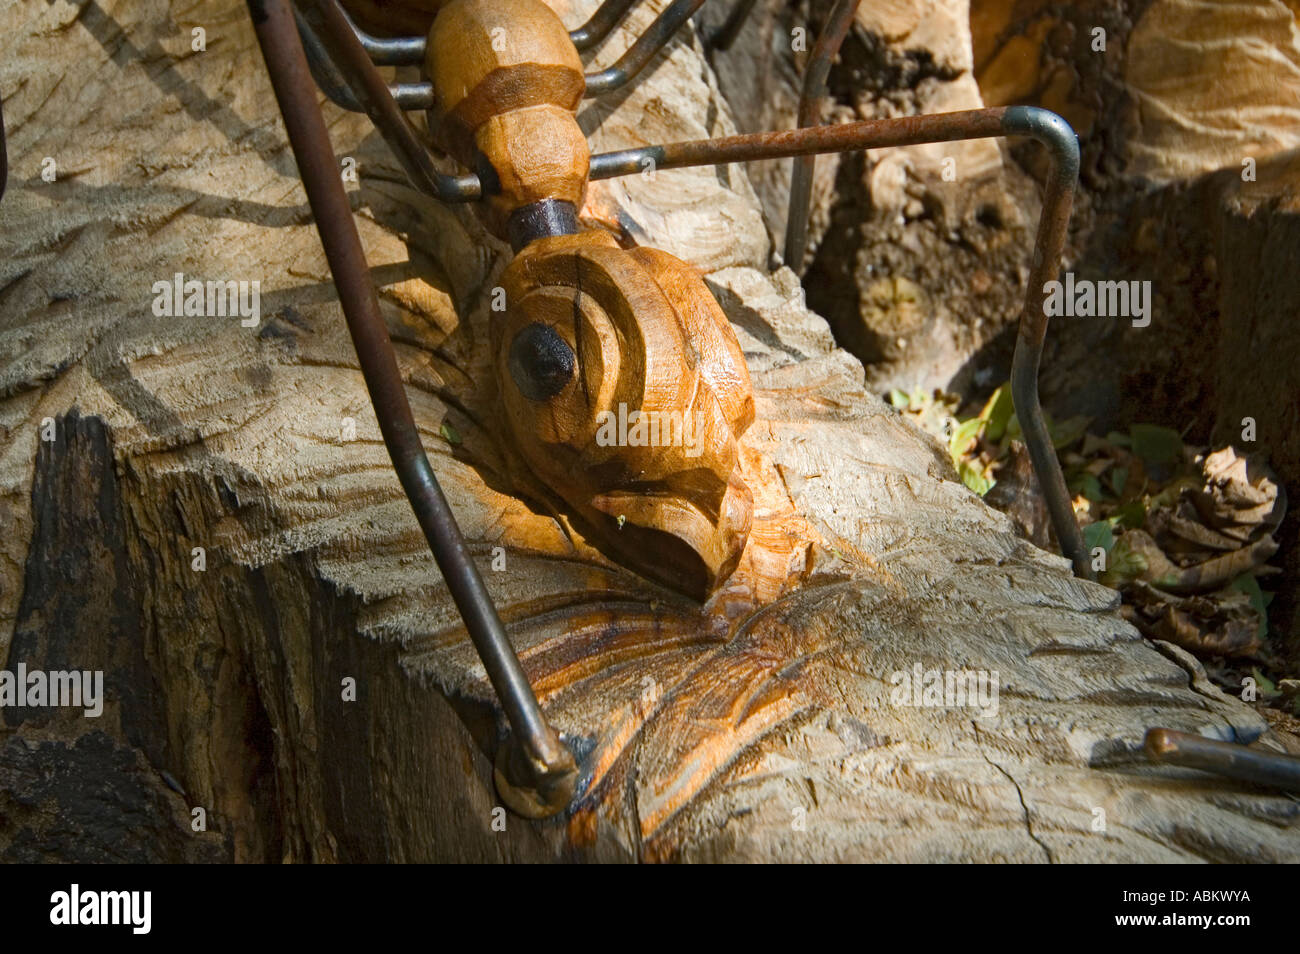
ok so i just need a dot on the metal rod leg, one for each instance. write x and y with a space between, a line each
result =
1053 223
538 774
814 88
1170 747
323 70
641 52
1063 147
390 51
334 83
601 23
340 43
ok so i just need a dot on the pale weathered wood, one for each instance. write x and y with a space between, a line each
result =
702 730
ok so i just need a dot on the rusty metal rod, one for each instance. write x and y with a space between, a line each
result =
814 88
547 764
1170 747
654 39
601 23
390 51
335 86
1040 124
323 70
356 87
420 95
1049 244
783 144
339 42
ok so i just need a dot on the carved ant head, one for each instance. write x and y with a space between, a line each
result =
625 391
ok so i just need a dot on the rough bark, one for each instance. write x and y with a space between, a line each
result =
757 726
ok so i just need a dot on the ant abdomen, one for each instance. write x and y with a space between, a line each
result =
507 81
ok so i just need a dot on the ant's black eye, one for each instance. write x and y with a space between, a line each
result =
541 362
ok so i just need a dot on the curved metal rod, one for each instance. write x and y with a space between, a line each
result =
323 70
814 88
1040 124
390 51
334 85
1170 747
730 29
654 39
326 20
601 23
323 53
1054 220
538 763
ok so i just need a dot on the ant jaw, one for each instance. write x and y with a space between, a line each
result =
671 540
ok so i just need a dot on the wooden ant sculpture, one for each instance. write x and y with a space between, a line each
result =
591 326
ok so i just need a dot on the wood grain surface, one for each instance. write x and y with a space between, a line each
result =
764 724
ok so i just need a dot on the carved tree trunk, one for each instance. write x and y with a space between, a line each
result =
761 725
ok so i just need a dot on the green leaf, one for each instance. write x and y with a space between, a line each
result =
1132 515
1265 685
1064 433
1086 484
1118 439
1013 431
899 399
1117 477
1125 564
449 434
1099 535
973 477
963 437
997 413
1156 445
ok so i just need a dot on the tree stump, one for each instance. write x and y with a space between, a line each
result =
215 525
